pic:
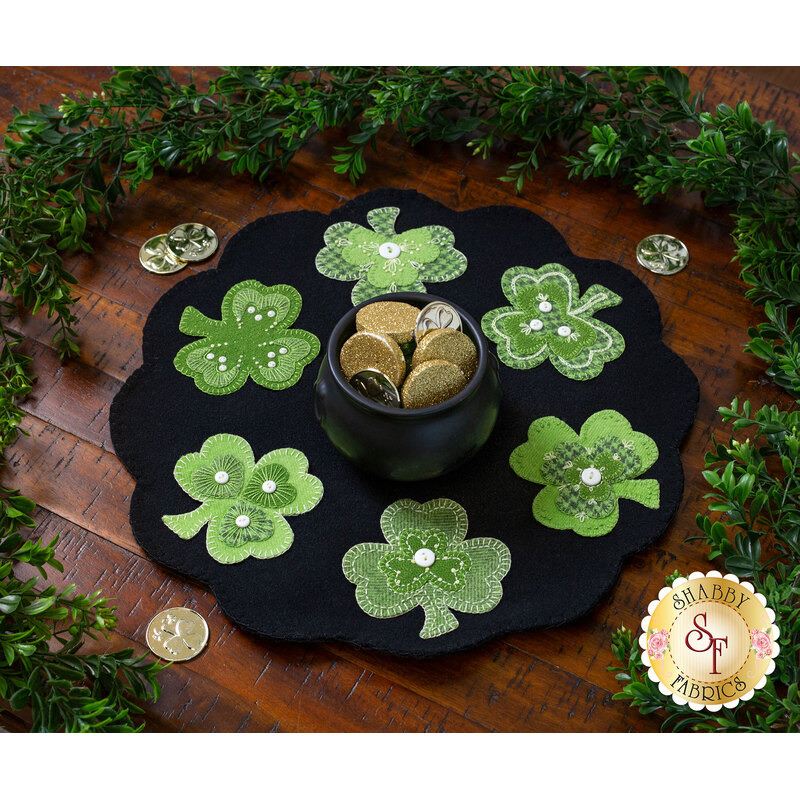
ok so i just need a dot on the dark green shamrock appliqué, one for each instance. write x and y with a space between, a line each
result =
548 318
427 562
383 261
244 502
586 474
253 339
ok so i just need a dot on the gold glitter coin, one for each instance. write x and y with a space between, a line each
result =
154 256
391 318
432 382
192 241
377 387
177 634
365 350
450 345
434 316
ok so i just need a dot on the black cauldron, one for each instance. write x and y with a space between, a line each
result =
407 444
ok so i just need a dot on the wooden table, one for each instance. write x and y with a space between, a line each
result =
549 680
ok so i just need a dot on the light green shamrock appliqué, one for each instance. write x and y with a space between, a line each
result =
586 474
243 501
252 339
383 261
549 319
427 562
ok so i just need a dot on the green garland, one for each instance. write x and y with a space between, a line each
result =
64 168
41 632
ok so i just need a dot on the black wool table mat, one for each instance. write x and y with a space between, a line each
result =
556 576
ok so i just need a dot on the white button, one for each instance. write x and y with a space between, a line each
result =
222 359
283 351
242 521
221 477
269 486
270 364
564 331
545 306
209 356
251 309
222 368
536 324
591 476
389 250
270 355
258 317
270 313
424 557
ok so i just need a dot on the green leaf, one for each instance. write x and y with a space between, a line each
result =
38 606
9 603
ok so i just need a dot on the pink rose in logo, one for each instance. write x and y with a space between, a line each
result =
761 642
657 644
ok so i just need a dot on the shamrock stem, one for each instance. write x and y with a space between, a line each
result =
595 298
187 525
195 323
438 617
382 220
646 491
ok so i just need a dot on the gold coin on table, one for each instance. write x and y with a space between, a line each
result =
192 241
662 253
154 256
450 345
394 319
377 387
432 382
365 350
177 634
434 316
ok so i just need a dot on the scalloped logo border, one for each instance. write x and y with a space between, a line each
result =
704 646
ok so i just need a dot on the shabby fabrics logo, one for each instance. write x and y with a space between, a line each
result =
709 641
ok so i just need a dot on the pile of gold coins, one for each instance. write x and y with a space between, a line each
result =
402 357
171 252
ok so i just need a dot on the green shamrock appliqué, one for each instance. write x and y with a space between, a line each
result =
549 319
383 261
243 501
427 562
252 339
586 474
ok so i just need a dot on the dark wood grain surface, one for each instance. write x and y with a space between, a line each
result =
550 680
